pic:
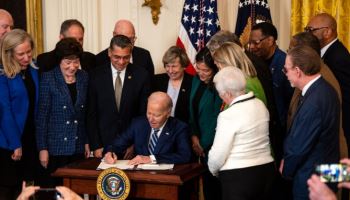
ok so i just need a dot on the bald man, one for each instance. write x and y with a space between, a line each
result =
140 57
337 57
157 137
6 22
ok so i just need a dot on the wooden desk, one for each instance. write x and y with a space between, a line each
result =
179 183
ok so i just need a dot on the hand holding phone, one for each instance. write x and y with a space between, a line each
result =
47 194
333 172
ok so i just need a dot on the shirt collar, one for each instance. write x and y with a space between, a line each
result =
325 48
115 71
307 86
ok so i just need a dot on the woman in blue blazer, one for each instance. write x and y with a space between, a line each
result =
205 106
18 102
61 135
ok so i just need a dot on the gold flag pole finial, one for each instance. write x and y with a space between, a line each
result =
155 9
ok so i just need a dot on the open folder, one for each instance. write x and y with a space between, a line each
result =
123 164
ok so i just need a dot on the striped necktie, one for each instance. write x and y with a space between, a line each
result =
153 141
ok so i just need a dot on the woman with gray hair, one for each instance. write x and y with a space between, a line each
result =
240 154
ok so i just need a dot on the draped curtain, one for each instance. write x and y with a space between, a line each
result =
303 10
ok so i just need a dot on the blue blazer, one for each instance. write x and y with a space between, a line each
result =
282 89
313 137
60 126
173 143
14 104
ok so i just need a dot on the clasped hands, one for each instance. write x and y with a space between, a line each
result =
111 158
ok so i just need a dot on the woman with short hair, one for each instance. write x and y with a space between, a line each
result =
240 155
61 134
175 82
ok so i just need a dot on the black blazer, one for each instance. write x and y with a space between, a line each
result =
48 61
160 83
104 120
140 57
337 57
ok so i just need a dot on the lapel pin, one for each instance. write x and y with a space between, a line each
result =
129 77
166 133
183 90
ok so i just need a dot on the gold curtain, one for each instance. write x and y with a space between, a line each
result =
303 10
34 24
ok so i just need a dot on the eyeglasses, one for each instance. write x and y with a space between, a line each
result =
257 42
312 29
285 70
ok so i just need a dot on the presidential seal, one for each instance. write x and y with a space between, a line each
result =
112 184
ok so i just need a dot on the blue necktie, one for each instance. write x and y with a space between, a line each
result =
153 141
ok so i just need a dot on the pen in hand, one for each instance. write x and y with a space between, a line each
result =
110 158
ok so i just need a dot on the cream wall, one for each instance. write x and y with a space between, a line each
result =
99 16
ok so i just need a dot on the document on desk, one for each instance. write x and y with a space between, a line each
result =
123 164
120 164
155 166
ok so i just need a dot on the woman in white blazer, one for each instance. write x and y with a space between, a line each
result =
241 154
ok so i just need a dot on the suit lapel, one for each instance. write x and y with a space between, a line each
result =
107 81
163 138
127 87
307 94
80 87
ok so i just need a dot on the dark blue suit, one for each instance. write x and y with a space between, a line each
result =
14 105
60 123
173 143
313 137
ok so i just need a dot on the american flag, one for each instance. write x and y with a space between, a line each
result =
251 12
199 22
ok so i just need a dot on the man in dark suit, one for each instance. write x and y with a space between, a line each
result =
118 92
313 137
69 28
262 43
158 138
140 57
337 57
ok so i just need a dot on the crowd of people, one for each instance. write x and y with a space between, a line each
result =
258 118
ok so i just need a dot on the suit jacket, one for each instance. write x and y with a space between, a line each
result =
160 83
48 61
140 58
104 120
209 109
313 137
337 58
14 104
172 146
282 89
60 126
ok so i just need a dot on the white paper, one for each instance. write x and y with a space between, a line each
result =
123 165
120 164
155 166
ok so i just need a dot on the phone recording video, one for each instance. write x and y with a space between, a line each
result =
333 172
47 194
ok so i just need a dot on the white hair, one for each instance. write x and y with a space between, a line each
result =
230 80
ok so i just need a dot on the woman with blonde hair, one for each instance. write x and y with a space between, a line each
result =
230 54
18 101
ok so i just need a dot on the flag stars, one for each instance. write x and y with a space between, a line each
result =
209 22
200 32
187 7
195 7
201 20
211 10
185 18
191 31
193 19
208 34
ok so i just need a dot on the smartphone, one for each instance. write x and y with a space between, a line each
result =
47 194
333 172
